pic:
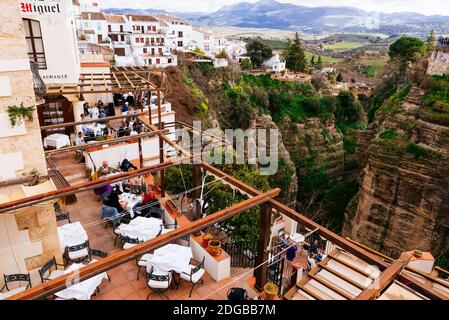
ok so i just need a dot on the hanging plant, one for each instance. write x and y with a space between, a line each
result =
19 114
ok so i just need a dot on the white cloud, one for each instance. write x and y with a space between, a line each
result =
427 7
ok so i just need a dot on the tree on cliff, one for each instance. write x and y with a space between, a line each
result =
348 108
258 51
407 49
431 40
294 55
319 64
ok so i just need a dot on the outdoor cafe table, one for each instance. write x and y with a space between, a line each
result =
71 234
128 201
141 228
171 257
83 290
56 140
98 129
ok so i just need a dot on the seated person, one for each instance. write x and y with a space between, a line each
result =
110 213
102 114
149 196
105 169
79 139
291 252
84 128
121 132
112 200
126 164
311 262
125 107
93 112
313 249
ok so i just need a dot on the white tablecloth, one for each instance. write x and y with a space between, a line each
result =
141 228
128 201
297 237
71 234
85 289
171 257
56 140
98 129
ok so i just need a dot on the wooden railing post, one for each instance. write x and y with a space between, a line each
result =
262 247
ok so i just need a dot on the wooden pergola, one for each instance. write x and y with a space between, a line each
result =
118 80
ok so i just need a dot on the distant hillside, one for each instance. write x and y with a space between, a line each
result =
276 15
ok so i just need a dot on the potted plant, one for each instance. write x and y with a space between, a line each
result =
18 114
417 253
88 173
206 238
214 247
271 290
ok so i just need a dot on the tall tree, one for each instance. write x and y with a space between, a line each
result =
312 61
431 39
339 77
407 49
258 52
319 64
294 55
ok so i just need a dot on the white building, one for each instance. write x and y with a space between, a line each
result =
178 33
276 63
119 33
50 34
203 40
93 28
148 41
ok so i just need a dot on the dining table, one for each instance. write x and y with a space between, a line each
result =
84 289
128 201
57 141
141 228
171 257
71 234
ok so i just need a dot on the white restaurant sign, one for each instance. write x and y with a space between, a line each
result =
59 38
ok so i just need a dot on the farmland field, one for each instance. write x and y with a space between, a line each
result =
325 59
344 45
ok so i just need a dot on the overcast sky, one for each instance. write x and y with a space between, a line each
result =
427 7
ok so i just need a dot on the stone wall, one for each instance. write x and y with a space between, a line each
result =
439 62
28 237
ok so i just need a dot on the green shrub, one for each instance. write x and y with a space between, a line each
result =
420 152
388 134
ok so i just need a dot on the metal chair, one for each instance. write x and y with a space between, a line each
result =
159 282
18 277
51 274
142 262
128 242
77 253
195 275
60 213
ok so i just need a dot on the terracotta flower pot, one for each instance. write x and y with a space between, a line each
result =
214 248
271 291
205 242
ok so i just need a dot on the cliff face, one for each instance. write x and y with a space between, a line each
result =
403 198
316 148
286 177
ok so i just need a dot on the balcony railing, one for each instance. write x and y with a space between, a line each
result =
38 83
